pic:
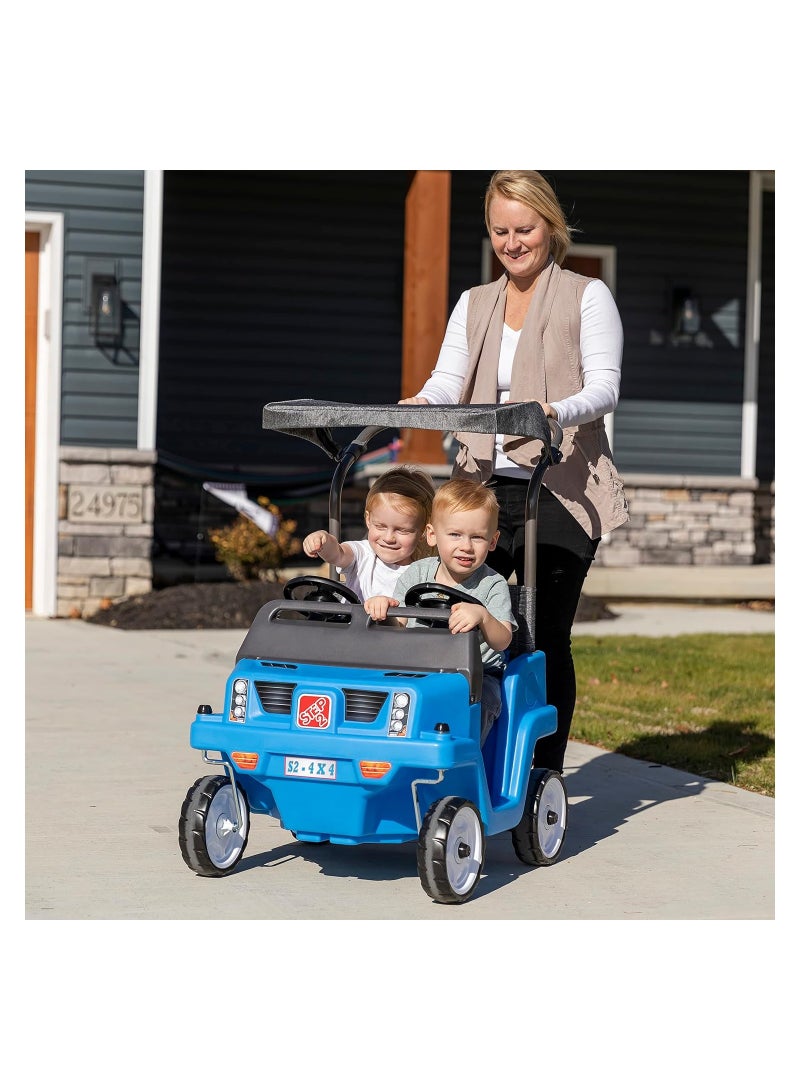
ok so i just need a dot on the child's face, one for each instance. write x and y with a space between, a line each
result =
392 534
463 540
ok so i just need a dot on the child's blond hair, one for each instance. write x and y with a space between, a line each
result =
460 494
410 490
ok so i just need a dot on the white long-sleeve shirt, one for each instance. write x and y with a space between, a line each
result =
601 353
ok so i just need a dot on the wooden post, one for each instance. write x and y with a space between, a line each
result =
425 286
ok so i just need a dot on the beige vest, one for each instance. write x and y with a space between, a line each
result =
547 367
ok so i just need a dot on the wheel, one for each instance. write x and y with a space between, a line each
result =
539 836
209 842
436 596
319 590
450 850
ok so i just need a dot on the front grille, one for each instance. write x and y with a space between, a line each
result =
276 696
362 705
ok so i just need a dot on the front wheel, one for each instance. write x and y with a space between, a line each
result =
450 850
210 843
539 836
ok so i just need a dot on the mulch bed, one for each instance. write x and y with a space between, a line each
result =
227 605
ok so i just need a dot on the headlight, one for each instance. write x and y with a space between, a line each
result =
238 699
400 709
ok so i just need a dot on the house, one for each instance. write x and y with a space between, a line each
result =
164 308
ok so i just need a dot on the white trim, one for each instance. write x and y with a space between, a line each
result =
50 226
151 309
760 180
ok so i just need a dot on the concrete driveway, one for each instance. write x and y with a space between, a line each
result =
108 764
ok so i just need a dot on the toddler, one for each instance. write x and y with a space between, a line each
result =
463 528
396 512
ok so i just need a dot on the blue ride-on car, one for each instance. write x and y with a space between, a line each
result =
350 732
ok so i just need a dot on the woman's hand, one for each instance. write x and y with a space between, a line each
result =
547 408
413 401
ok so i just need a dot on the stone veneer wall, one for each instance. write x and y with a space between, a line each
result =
693 521
105 527
673 520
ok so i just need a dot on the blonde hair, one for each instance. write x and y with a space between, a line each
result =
533 190
460 494
410 490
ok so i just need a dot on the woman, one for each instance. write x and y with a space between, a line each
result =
539 333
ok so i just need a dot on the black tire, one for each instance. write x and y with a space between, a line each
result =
450 850
539 836
208 844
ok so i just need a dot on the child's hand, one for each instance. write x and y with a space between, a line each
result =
465 616
315 542
378 605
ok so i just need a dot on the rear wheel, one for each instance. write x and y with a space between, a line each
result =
539 836
210 843
450 850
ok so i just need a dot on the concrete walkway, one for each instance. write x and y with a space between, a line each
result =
674 619
108 764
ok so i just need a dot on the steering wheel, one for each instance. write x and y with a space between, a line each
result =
441 597
322 590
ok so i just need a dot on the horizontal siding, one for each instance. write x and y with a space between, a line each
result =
678 438
275 285
102 220
765 437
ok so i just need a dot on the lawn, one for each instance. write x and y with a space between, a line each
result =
702 703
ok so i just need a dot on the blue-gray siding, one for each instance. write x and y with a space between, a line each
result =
765 443
102 223
275 284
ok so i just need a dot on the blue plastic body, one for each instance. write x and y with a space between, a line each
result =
332 715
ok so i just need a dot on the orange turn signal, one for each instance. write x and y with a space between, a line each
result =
245 761
375 769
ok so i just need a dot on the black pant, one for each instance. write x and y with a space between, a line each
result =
564 553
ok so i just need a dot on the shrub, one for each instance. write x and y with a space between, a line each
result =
248 552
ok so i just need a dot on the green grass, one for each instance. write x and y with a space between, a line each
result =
702 703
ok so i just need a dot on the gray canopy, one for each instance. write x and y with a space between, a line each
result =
311 419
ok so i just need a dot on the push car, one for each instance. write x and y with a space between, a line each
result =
349 731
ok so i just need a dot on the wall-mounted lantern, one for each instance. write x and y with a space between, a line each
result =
105 308
685 314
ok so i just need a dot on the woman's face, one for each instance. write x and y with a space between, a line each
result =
520 238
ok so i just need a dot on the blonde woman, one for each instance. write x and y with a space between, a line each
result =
539 333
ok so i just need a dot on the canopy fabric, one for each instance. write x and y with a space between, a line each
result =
307 418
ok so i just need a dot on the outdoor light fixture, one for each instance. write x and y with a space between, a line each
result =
685 314
105 308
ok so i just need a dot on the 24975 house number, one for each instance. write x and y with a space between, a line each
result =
104 504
